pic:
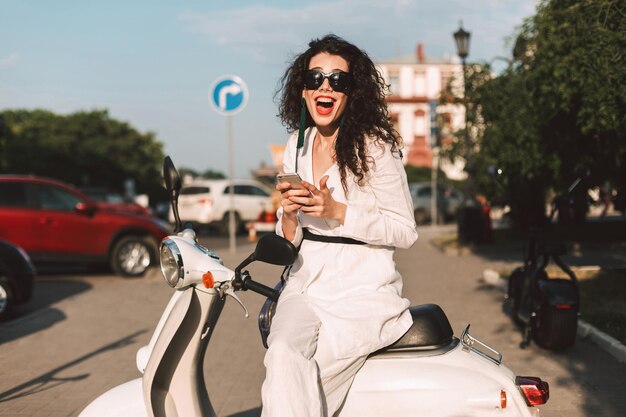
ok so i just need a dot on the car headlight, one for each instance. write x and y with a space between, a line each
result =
171 262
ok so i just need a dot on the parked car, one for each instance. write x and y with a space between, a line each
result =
17 274
55 223
448 202
111 199
207 202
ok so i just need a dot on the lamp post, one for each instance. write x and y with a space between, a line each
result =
462 38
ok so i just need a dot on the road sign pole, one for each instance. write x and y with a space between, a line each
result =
231 217
228 96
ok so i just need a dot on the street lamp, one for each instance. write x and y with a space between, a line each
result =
462 37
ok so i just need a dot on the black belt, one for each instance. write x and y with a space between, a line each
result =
330 239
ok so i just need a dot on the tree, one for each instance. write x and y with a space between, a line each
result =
83 148
575 64
556 108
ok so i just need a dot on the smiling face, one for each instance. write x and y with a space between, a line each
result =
325 105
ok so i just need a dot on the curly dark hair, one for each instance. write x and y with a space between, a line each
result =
366 113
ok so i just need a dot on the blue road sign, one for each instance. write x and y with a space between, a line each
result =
228 95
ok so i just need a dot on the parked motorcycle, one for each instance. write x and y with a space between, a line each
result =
546 307
427 372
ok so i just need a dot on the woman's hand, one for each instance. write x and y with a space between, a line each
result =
290 208
320 203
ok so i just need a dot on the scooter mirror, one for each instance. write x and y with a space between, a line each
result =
275 250
172 179
173 185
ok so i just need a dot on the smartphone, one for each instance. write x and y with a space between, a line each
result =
292 178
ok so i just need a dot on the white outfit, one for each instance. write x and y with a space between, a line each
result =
341 301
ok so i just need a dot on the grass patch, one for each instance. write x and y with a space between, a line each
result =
603 301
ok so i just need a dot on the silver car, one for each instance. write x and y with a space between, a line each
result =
448 202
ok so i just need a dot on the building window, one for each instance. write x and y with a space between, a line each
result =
394 84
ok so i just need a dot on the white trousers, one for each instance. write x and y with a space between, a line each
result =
303 376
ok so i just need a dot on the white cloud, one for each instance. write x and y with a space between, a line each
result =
256 28
384 28
8 61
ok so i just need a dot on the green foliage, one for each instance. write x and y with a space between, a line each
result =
213 175
208 174
558 106
417 174
576 66
424 174
80 148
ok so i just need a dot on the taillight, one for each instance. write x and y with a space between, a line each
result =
563 306
536 391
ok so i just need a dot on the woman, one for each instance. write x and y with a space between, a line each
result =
342 300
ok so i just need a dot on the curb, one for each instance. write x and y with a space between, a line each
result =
585 330
607 343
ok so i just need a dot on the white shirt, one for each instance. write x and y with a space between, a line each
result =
355 289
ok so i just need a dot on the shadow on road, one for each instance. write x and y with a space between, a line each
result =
50 379
38 314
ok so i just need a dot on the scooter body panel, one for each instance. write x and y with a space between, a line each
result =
456 383
125 400
173 381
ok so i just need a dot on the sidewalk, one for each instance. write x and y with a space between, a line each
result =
584 380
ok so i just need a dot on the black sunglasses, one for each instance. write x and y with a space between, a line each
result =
338 80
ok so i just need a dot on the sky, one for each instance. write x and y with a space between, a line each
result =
151 63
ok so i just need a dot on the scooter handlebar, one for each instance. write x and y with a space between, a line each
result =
257 287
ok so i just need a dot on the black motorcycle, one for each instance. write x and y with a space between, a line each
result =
547 308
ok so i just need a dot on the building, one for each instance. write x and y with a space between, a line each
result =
415 84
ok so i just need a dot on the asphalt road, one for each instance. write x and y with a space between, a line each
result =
79 335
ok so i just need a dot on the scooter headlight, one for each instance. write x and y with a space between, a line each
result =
171 262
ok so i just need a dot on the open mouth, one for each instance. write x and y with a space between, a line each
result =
324 105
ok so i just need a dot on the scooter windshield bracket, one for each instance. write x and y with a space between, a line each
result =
469 342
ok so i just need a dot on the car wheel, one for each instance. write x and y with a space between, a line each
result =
6 297
420 216
224 224
131 256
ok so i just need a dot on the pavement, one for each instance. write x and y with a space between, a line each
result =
79 335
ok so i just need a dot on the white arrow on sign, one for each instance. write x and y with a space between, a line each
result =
233 90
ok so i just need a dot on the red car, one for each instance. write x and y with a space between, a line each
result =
111 199
55 223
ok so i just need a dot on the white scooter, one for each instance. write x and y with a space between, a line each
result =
428 372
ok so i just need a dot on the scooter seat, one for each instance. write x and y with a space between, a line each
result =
430 330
